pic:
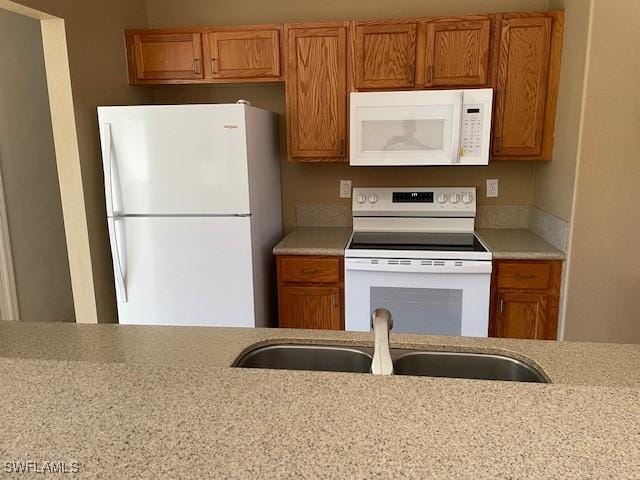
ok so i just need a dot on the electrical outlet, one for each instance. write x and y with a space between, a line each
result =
492 187
345 188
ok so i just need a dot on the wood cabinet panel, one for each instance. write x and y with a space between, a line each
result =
521 315
316 92
385 56
310 269
457 53
533 276
525 299
311 292
243 54
310 307
166 56
521 86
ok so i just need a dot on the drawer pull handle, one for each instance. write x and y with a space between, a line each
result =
524 277
310 271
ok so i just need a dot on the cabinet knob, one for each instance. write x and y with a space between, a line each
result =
196 65
501 309
429 74
214 67
341 147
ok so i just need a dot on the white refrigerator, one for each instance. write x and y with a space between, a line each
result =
193 210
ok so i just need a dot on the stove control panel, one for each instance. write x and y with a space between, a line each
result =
415 202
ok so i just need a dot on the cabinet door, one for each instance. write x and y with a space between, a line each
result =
310 307
243 54
457 53
520 315
167 56
521 86
385 56
316 91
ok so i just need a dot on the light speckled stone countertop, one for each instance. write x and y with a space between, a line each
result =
171 407
517 244
504 243
330 241
593 364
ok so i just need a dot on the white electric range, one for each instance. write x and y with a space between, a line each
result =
414 252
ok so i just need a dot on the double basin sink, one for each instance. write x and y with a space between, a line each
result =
479 366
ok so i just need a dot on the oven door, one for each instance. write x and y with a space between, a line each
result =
434 297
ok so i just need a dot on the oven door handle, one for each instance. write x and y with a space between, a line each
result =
418 266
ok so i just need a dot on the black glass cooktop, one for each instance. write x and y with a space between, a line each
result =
449 242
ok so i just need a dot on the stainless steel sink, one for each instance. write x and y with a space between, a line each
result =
307 357
330 358
480 366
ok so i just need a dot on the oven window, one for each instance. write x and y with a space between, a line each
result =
402 135
432 311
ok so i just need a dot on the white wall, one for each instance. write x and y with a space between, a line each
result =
28 166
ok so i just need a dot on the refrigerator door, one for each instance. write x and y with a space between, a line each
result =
175 160
183 270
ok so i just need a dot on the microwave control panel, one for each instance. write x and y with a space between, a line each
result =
472 130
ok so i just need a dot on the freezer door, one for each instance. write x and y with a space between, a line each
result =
177 159
183 270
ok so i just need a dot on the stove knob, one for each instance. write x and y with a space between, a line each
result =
467 198
455 198
373 198
442 198
361 198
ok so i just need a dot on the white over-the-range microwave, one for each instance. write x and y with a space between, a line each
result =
420 127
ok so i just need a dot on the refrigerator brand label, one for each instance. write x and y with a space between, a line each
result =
230 127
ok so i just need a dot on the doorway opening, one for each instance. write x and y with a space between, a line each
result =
45 264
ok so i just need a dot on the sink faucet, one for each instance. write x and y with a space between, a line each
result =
382 323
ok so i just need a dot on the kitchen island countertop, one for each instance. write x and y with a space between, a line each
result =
146 402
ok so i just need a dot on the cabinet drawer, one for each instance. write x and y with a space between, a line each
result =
530 276
309 270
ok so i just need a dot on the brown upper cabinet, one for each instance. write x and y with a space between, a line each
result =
316 91
527 69
159 57
385 55
457 52
518 54
216 55
249 53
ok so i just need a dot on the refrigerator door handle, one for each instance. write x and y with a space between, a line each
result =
111 177
121 285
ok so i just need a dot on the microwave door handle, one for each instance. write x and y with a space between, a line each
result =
456 127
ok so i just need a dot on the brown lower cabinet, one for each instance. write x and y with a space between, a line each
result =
310 292
525 299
